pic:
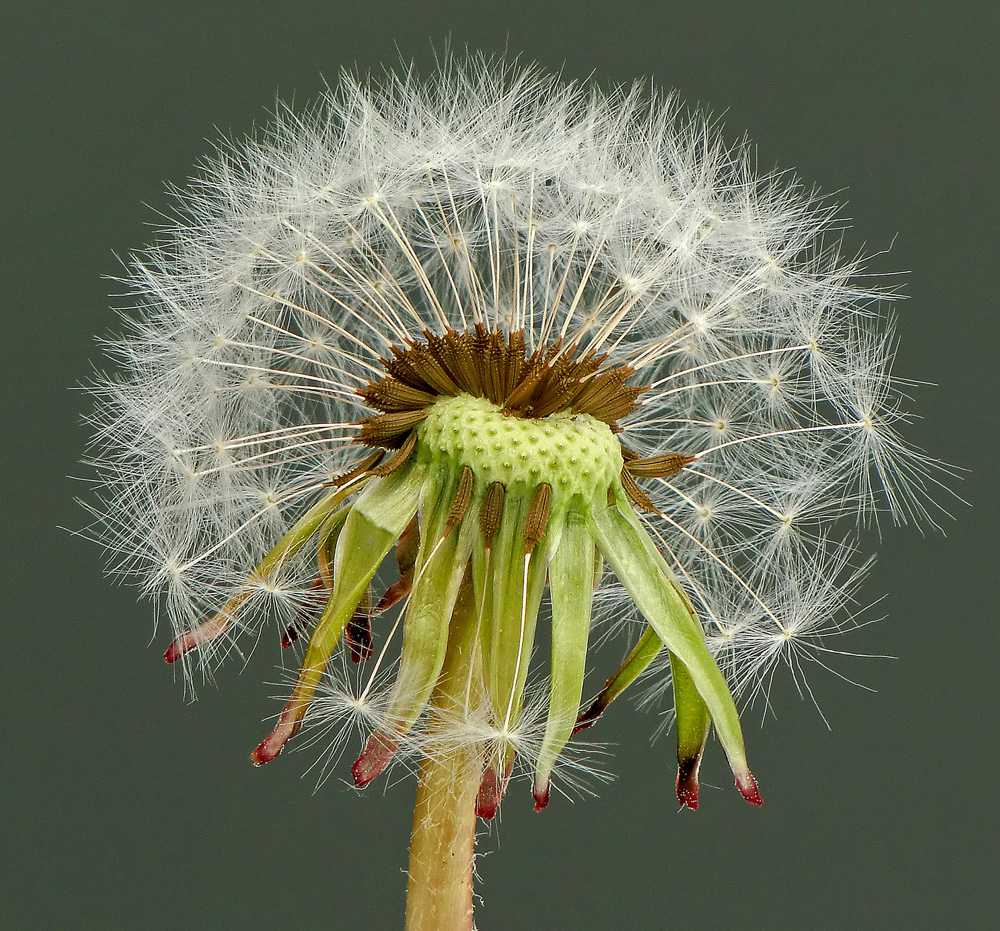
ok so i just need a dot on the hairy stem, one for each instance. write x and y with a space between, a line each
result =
442 846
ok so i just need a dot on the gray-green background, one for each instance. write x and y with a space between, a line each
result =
124 807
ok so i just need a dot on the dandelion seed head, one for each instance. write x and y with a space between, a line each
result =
339 283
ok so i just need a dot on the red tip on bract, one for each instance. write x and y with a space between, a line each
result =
187 641
541 794
359 637
688 796
748 788
291 634
377 754
394 593
687 783
274 743
491 791
269 747
490 794
175 651
589 716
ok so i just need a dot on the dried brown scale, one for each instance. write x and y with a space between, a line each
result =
636 495
621 404
389 430
390 394
397 461
463 495
489 364
369 462
515 361
662 466
537 518
589 717
491 512
395 593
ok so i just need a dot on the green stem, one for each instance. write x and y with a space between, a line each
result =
442 845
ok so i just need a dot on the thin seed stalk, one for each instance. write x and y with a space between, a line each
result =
442 845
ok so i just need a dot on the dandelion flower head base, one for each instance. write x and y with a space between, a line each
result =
507 499
515 333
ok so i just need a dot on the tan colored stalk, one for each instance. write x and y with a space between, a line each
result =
442 846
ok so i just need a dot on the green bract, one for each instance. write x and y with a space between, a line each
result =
506 504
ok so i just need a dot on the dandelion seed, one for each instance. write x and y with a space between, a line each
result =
514 331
